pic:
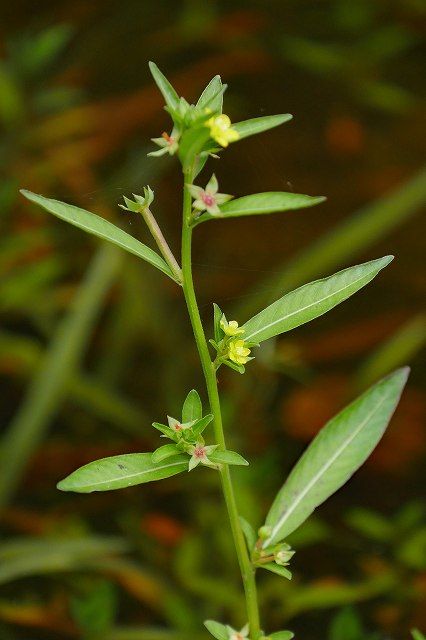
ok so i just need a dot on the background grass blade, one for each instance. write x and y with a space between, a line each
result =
334 455
97 226
48 387
26 557
311 301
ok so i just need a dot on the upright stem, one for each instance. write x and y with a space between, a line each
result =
246 568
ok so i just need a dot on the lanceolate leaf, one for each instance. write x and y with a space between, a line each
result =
218 630
192 408
164 452
99 227
118 472
249 533
269 202
310 301
276 568
258 125
212 96
227 457
169 94
334 455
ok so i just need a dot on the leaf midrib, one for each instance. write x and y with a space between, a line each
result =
309 486
251 335
138 473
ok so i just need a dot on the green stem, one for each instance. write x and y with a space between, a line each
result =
157 234
247 570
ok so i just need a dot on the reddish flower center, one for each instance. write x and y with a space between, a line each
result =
168 138
208 199
177 426
199 452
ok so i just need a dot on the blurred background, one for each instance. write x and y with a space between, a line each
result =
95 345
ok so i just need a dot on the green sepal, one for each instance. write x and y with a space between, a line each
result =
166 451
417 635
192 408
228 457
249 533
258 125
169 94
217 630
119 472
276 568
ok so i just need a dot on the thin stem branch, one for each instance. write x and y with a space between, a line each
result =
157 234
246 568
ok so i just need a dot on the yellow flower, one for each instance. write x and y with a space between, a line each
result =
230 328
221 130
238 352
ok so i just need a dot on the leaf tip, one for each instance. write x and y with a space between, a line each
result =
62 485
387 259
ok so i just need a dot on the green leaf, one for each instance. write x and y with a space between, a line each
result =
417 635
212 96
165 430
334 455
192 143
118 472
192 408
217 317
218 631
166 451
198 428
258 125
249 533
169 94
227 457
200 163
278 569
311 301
99 227
281 635
261 204
233 365
269 202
